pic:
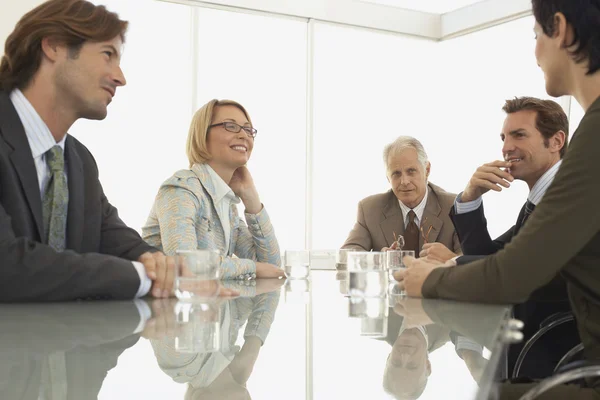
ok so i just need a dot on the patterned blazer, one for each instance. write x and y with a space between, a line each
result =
184 217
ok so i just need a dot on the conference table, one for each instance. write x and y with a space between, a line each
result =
280 339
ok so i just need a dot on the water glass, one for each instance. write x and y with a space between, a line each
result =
394 263
341 258
297 264
198 327
374 327
197 274
297 291
367 307
367 274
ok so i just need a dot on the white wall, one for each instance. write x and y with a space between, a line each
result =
10 12
368 89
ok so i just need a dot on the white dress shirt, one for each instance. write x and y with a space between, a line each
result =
40 141
224 198
535 195
419 209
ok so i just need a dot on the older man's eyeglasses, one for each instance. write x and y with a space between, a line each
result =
235 128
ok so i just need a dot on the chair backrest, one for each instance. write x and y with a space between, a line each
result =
556 337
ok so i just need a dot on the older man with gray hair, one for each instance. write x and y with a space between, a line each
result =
413 208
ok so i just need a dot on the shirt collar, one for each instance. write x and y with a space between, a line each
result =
541 186
419 328
38 135
222 189
419 209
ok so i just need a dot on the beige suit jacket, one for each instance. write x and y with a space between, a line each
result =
379 216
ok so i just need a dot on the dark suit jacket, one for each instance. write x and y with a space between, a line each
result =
91 336
562 237
98 243
474 237
380 215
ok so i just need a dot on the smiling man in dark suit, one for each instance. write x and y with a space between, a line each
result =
60 238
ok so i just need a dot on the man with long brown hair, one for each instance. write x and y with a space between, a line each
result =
60 238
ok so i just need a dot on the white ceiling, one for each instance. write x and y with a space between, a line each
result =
429 19
430 6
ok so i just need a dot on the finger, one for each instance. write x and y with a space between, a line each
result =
149 331
149 265
498 163
399 275
161 276
409 261
278 273
423 253
169 276
429 245
497 172
227 292
487 185
432 259
492 177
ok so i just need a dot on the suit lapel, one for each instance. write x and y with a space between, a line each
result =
207 183
393 221
519 220
76 196
431 218
22 159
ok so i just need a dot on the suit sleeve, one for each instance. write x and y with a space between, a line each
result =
255 241
359 237
473 234
561 226
31 271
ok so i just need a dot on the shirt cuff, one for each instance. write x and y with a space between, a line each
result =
145 282
463 208
464 343
145 314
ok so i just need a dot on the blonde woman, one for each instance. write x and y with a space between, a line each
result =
196 207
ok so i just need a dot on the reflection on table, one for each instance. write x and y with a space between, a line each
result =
299 339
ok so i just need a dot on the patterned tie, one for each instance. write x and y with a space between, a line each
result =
529 207
411 234
56 200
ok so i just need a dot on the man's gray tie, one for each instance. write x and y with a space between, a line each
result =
56 200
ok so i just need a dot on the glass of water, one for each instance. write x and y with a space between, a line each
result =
394 263
297 264
341 258
197 274
367 274
198 327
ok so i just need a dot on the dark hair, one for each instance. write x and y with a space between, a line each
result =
550 117
584 18
70 22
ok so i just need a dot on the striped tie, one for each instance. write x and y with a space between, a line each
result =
56 200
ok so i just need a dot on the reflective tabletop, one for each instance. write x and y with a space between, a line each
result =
295 339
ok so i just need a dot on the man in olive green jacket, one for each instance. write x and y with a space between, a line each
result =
562 236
